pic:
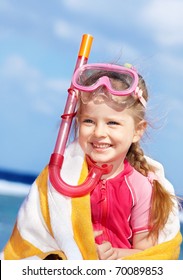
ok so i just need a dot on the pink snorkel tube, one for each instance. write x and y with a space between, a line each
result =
57 158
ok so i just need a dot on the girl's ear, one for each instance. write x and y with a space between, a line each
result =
139 131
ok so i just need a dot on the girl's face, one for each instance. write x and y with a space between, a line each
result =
106 134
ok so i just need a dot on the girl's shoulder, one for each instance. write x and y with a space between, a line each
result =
139 185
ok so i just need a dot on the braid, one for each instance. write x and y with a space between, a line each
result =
136 158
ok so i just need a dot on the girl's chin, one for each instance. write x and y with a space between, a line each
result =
99 160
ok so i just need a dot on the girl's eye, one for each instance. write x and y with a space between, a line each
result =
113 123
87 121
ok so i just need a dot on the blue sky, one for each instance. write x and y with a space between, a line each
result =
39 42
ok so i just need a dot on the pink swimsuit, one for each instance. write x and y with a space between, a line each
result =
120 207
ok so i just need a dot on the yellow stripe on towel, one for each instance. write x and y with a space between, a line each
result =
24 248
169 250
81 221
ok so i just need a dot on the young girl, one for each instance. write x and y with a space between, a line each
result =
131 209
111 123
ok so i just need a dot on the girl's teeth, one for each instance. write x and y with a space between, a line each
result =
101 146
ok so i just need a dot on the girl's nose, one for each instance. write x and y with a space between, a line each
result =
100 131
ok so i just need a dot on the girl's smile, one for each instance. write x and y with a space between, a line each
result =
101 146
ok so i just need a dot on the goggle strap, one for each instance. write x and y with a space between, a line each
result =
138 93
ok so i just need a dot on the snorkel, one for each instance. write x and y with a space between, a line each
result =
57 157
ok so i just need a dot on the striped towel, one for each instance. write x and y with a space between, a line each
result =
50 223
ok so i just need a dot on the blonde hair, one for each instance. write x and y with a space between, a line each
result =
162 202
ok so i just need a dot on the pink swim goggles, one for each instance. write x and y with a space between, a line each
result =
118 80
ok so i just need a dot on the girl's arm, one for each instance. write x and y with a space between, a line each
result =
141 241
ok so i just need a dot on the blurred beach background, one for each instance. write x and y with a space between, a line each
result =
39 43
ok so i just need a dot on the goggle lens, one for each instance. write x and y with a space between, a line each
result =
90 78
119 80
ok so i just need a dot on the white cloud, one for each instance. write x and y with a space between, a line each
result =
165 19
173 64
112 50
62 29
115 11
16 67
28 83
85 6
